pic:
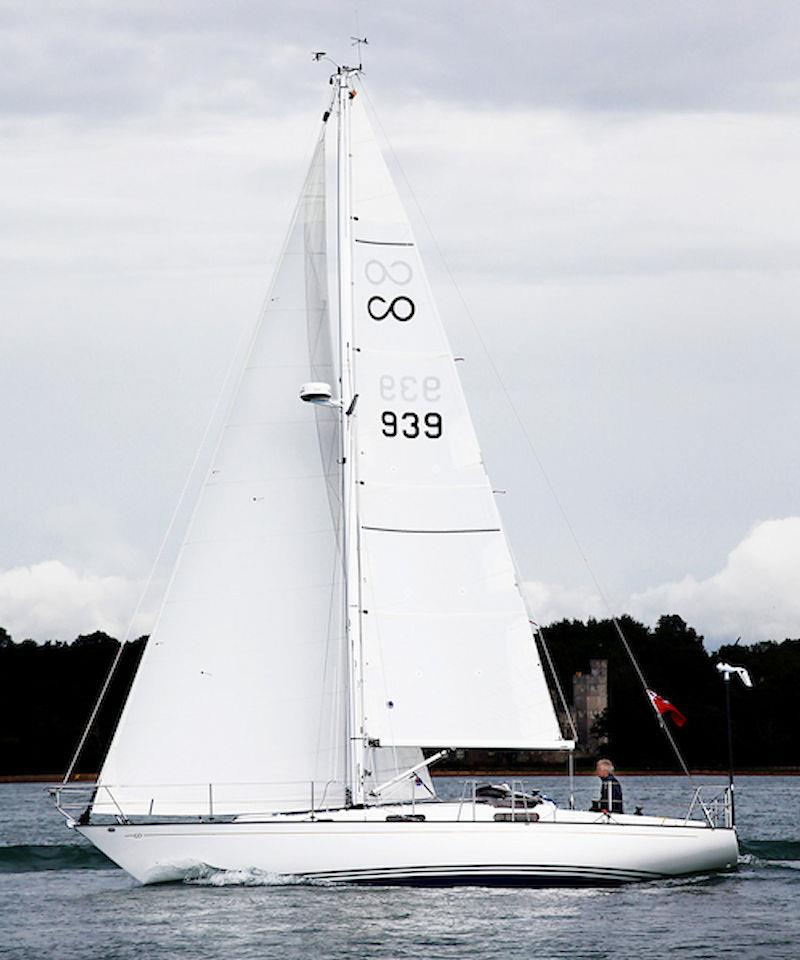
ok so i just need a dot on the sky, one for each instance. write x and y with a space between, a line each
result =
612 186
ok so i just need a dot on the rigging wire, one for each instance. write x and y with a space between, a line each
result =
159 554
531 446
556 680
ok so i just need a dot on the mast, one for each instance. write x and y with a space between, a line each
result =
350 539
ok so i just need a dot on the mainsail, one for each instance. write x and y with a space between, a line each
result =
448 654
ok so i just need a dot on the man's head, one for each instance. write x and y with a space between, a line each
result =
604 768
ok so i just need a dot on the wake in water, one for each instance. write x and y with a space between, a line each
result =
775 854
209 877
771 849
38 857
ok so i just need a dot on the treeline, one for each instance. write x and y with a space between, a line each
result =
47 692
675 664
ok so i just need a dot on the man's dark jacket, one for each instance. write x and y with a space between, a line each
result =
610 786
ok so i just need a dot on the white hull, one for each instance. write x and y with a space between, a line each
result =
568 848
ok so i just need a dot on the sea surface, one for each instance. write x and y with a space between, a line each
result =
61 899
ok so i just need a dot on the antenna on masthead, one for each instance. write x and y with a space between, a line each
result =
357 42
342 70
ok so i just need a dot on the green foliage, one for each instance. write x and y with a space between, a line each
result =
675 664
47 692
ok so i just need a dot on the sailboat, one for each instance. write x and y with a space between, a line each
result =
344 607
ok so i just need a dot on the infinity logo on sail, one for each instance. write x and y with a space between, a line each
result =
393 309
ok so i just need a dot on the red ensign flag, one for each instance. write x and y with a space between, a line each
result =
662 706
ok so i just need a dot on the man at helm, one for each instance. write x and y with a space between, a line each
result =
610 788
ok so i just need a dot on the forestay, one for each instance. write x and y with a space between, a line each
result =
239 703
449 658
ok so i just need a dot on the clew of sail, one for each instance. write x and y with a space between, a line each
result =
448 655
239 702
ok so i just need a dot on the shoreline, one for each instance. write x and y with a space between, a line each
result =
621 771
56 779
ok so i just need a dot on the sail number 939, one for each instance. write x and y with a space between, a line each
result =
411 425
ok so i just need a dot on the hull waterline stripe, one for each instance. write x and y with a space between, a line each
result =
521 871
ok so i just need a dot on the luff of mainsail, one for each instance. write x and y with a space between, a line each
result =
239 702
448 654
369 765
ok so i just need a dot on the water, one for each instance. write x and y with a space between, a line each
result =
59 898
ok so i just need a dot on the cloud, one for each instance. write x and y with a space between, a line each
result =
51 600
549 602
111 60
756 595
626 172
571 195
